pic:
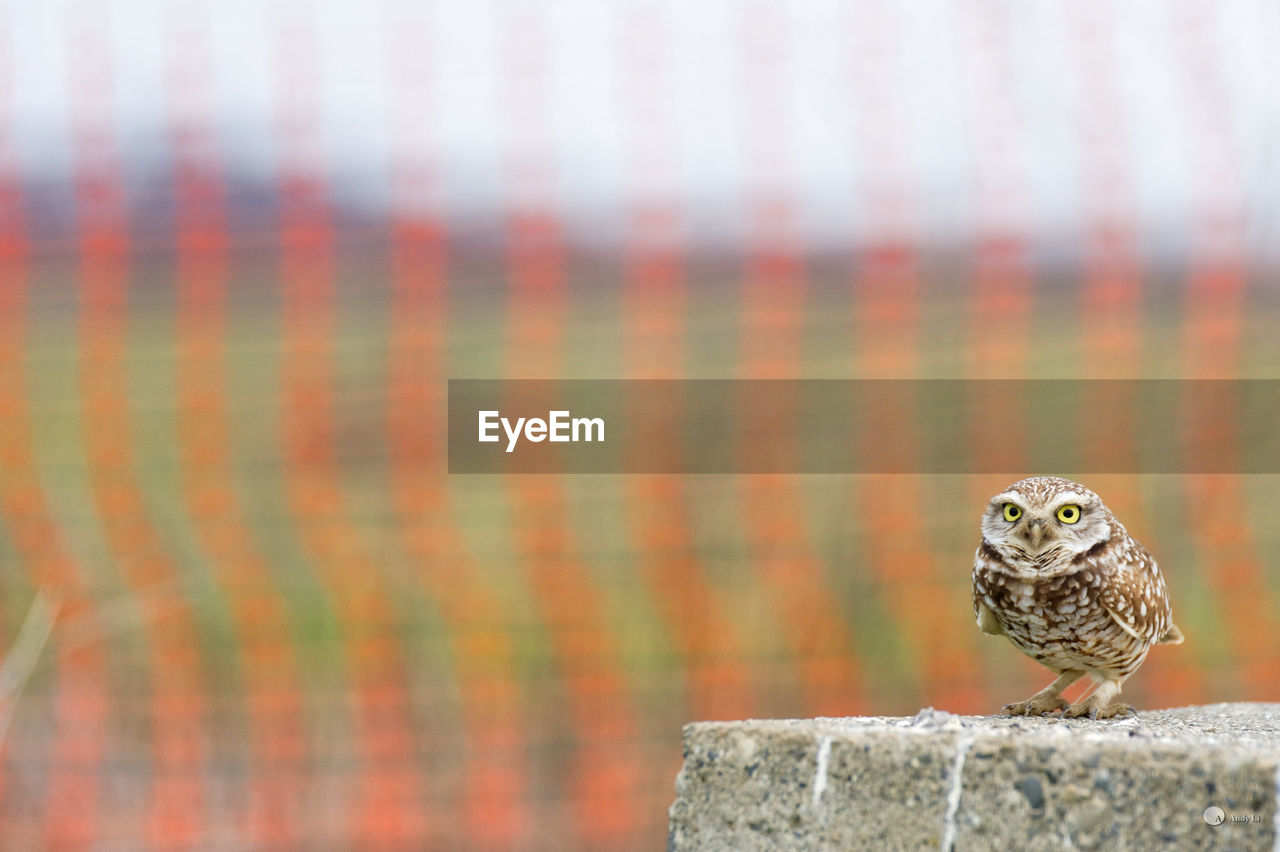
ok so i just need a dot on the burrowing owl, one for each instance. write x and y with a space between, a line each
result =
1063 579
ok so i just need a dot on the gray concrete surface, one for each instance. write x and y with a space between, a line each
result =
983 782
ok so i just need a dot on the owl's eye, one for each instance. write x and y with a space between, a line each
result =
1011 512
1069 513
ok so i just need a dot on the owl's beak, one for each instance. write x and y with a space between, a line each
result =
1034 531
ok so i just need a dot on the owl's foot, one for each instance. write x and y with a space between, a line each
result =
1089 708
1117 708
1036 705
1047 700
1104 703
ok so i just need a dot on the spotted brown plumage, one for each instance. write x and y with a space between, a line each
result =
1061 577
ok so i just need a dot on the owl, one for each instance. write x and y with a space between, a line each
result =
1061 578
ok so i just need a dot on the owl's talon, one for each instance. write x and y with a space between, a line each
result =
1093 711
1115 709
1036 705
1045 705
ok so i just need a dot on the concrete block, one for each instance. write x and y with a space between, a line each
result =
937 780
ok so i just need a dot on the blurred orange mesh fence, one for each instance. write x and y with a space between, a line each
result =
243 247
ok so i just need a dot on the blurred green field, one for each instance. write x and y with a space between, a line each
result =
871 544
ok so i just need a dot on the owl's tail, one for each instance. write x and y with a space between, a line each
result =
1172 636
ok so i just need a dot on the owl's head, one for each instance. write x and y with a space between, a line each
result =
1045 518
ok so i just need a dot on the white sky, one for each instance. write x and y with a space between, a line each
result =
924 117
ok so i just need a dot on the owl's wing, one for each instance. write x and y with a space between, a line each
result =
1135 598
987 621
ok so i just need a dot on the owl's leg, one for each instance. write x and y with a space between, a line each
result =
1046 700
1102 704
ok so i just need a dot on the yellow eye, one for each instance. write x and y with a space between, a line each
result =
1069 513
1011 512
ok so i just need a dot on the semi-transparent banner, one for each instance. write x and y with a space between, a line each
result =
864 426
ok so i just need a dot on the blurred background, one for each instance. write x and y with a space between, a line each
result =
243 246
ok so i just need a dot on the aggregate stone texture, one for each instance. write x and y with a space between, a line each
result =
940 781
